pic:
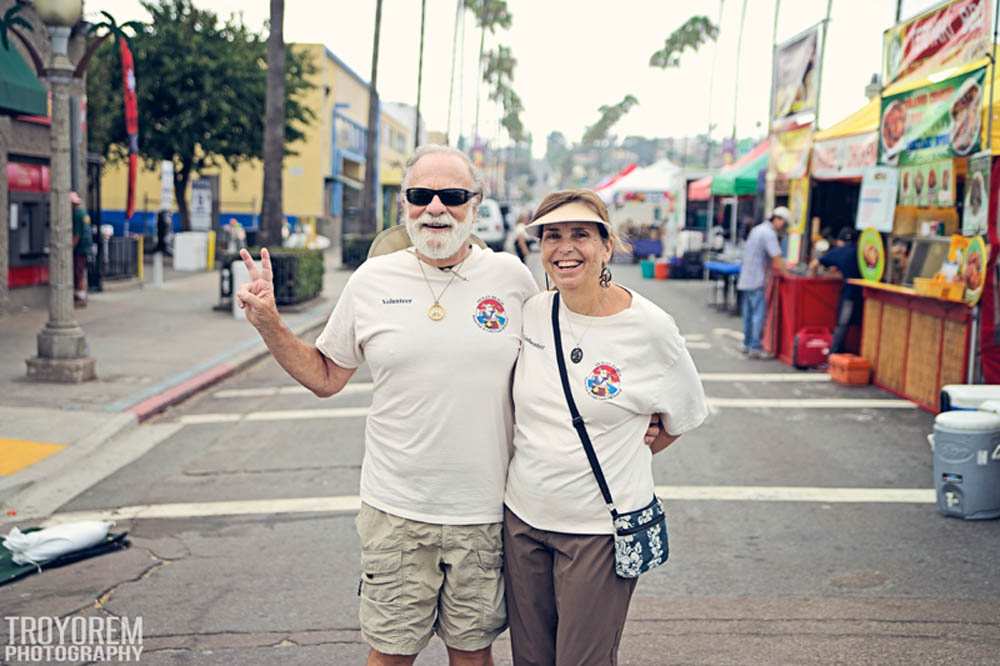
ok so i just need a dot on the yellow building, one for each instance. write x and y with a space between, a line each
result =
323 179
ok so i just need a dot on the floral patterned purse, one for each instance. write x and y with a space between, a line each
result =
641 539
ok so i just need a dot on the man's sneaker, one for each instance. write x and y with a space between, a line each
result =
744 349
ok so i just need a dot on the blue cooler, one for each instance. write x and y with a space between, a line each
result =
967 464
967 396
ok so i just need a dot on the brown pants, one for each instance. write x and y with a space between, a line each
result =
565 604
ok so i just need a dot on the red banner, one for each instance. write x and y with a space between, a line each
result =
946 36
131 122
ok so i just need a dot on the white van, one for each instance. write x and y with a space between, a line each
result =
489 225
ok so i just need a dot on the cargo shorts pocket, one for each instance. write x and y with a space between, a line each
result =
491 596
381 575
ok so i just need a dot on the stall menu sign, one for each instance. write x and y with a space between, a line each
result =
928 185
977 196
935 122
798 203
844 157
946 36
877 201
790 151
794 76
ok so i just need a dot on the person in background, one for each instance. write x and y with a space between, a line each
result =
521 246
761 253
843 259
82 244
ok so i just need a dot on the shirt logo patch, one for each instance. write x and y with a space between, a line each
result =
604 382
490 314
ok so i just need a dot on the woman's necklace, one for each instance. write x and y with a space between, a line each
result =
576 354
436 312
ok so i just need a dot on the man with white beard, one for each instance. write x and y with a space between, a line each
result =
439 325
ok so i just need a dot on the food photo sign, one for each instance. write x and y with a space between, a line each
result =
936 122
977 196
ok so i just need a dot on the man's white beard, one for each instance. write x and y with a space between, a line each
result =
438 244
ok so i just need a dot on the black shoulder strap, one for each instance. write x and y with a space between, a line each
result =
578 424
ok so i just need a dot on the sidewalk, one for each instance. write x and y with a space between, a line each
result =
154 347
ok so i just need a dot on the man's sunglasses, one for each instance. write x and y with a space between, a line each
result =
452 196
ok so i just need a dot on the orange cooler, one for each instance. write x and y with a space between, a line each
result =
850 369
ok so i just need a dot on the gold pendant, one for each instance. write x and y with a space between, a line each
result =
436 312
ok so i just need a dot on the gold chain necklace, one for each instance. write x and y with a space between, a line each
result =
436 312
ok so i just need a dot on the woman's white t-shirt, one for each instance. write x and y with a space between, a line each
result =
634 364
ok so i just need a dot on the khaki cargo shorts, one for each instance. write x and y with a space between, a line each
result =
420 578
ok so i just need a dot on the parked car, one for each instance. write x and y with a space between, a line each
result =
490 226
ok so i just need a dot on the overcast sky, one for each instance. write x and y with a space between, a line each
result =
575 55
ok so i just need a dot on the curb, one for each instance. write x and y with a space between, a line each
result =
185 387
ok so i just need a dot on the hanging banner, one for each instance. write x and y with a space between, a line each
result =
977 196
794 76
798 205
928 185
131 122
877 201
790 152
977 254
846 157
938 121
947 36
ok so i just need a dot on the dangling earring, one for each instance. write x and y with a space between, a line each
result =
605 278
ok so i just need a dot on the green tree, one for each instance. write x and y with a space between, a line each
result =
696 31
610 115
201 87
498 72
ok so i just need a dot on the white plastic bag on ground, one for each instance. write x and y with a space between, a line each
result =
52 542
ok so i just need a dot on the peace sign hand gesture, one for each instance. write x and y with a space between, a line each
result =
257 296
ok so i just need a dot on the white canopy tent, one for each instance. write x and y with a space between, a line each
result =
662 176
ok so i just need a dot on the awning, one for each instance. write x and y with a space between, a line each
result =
743 171
862 121
21 93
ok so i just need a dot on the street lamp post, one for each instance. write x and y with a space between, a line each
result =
63 354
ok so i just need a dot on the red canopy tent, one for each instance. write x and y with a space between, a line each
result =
611 180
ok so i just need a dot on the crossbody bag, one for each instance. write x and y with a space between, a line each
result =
641 539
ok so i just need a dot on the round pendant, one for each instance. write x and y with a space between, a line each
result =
576 355
436 312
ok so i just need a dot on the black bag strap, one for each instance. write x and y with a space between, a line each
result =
574 413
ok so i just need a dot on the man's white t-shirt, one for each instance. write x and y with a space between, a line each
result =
634 365
437 440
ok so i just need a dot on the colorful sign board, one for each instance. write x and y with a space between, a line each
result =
927 185
795 76
845 157
798 204
977 195
877 201
790 152
946 36
977 254
938 121
871 255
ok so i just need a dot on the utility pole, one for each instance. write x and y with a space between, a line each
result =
420 72
369 206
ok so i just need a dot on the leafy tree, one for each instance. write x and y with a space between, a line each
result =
201 91
696 31
498 71
610 115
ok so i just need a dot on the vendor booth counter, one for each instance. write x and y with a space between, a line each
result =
796 302
915 343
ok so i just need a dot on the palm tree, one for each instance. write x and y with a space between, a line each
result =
272 213
490 15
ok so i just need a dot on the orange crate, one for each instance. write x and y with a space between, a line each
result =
850 369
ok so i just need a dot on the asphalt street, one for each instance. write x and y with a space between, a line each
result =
802 527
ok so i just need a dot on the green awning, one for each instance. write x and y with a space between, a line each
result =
21 93
741 180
